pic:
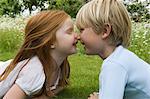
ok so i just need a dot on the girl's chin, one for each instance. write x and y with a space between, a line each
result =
74 48
73 51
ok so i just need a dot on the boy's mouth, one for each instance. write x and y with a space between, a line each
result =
82 42
75 43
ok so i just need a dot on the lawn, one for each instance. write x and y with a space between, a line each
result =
84 77
84 69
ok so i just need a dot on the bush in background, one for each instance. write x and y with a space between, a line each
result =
10 7
16 7
11 37
10 40
138 10
140 41
70 6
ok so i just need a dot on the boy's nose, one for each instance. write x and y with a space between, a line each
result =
78 37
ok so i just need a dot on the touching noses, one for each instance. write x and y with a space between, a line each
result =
76 36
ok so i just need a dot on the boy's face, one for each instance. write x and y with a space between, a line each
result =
92 42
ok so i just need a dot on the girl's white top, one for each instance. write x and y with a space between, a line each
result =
29 78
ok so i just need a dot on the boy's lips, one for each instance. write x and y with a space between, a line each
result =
74 44
83 44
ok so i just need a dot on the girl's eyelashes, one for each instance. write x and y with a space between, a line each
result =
69 31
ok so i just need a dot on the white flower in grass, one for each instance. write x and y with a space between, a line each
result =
147 26
12 23
145 33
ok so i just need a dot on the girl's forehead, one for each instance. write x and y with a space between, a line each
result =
68 24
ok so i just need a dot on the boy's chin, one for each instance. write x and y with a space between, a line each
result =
89 53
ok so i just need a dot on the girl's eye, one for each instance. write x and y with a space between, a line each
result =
69 32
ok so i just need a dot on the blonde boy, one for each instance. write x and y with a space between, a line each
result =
105 31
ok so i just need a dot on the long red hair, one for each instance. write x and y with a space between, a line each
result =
40 33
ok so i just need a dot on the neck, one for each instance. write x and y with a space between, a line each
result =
58 58
106 51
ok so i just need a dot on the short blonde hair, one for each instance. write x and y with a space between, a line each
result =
97 13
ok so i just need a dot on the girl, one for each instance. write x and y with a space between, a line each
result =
40 69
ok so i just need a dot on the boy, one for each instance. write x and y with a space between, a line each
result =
105 31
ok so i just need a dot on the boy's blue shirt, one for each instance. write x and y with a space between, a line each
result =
124 76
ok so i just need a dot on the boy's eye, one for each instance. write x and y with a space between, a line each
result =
81 29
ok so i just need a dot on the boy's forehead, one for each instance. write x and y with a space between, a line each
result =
82 26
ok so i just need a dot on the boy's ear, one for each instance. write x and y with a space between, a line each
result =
106 31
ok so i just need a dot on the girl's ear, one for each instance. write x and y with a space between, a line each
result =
106 31
52 46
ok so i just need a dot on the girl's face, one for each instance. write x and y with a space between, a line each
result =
66 39
92 42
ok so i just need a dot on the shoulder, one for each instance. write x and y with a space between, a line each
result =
121 57
31 77
3 65
33 67
113 65
114 71
33 64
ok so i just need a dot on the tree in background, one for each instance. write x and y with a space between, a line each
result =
10 7
30 4
70 6
138 10
14 7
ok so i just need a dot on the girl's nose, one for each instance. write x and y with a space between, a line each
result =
77 36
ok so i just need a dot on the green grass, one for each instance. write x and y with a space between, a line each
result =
84 69
6 56
10 40
84 77
140 43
